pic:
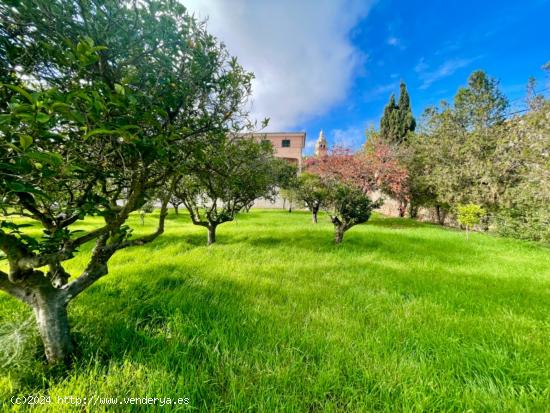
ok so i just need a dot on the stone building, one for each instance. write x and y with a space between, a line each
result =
287 145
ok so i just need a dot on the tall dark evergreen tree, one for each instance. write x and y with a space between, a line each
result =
404 103
397 119
386 123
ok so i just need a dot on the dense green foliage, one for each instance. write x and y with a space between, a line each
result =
109 107
312 192
397 120
525 206
348 206
225 176
342 185
397 318
101 100
469 152
469 215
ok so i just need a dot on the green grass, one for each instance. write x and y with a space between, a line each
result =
402 316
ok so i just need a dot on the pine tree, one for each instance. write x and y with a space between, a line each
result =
480 104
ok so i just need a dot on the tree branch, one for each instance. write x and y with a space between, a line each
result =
13 289
29 203
67 251
151 237
97 268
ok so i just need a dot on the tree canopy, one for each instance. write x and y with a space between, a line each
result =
97 101
225 176
471 152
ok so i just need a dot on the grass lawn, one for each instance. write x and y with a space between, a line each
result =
402 316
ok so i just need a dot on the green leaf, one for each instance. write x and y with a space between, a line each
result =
130 127
60 107
5 118
42 117
50 158
84 45
25 141
20 91
15 186
22 108
99 48
100 132
119 89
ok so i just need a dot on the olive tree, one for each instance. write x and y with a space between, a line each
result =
98 97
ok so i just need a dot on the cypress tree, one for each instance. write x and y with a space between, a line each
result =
397 120
404 103
387 122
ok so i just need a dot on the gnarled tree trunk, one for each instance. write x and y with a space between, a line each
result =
50 311
338 233
339 229
49 304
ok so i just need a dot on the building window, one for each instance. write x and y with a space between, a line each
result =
286 143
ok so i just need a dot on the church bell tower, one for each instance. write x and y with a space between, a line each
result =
321 146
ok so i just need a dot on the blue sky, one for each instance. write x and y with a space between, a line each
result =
332 64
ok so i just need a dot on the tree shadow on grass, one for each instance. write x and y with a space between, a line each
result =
199 324
356 243
186 241
185 328
398 223
220 318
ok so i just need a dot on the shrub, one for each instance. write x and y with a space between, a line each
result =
469 215
349 206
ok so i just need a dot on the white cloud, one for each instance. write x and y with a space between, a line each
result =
352 137
446 69
421 66
300 51
310 145
393 41
381 91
